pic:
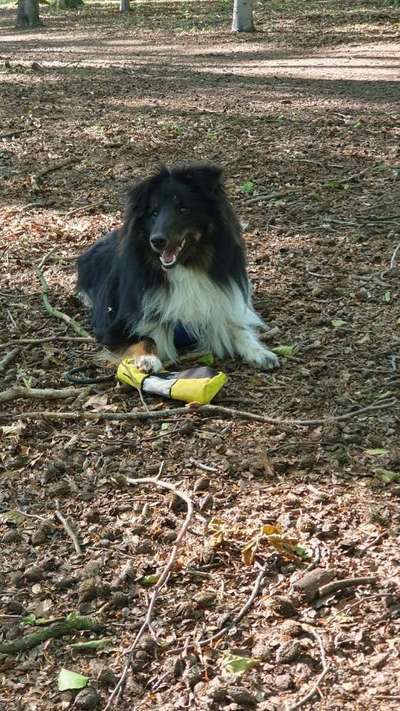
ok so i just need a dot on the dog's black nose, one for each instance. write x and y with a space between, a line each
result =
158 242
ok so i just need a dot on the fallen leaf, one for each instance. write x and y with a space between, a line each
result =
71 680
285 351
238 665
387 475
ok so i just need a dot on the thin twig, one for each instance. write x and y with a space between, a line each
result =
8 359
325 668
70 532
51 309
242 612
207 410
393 259
345 583
161 581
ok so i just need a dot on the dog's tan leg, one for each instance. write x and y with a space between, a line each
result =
143 354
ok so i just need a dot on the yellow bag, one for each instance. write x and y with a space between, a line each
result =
200 384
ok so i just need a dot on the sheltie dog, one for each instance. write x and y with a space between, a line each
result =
174 275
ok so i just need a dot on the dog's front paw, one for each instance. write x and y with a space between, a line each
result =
148 363
262 358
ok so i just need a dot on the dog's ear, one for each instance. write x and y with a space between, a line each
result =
138 198
207 178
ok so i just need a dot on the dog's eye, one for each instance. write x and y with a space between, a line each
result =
155 213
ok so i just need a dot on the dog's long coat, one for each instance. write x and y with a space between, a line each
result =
174 274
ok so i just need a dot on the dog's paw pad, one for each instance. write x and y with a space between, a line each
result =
148 363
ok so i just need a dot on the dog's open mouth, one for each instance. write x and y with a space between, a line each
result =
169 256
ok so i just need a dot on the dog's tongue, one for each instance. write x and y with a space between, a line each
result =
168 256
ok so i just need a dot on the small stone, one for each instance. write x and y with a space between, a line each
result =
169 536
193 675
34 574
60 488
107 678
87 590
13 607
290 628
147 644
218 691
202 484
206 600
119 600
310 583
283 682
88 698
177 504
145 546
289 652
242 697
12 536
282 606
42 534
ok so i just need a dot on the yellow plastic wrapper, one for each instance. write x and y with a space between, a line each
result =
200 384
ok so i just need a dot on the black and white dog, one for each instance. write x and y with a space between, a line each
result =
174 275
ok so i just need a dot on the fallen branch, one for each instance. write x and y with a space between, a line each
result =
69 531
207 410
46 339
56 166
60 629
51 309
272 196
15 132
325 668
20 391
242 612
161 581
393 259
8 359
336 585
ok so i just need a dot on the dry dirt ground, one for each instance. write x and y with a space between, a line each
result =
304 117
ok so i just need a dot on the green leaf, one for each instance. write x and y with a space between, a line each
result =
338 323
387 296
285 351
387 475
238 665
12 517
93 644
376 452
150 580
302 552
165 426
70 680
247 187
206 359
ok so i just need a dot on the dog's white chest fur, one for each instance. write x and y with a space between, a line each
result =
221 320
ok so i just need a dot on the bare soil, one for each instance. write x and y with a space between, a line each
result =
304 118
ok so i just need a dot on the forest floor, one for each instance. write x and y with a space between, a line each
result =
304 117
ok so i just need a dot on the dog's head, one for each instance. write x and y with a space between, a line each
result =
174 211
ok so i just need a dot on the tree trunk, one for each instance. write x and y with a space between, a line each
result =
124 6
243 16
28 13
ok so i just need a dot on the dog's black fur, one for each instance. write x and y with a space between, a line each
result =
121 267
